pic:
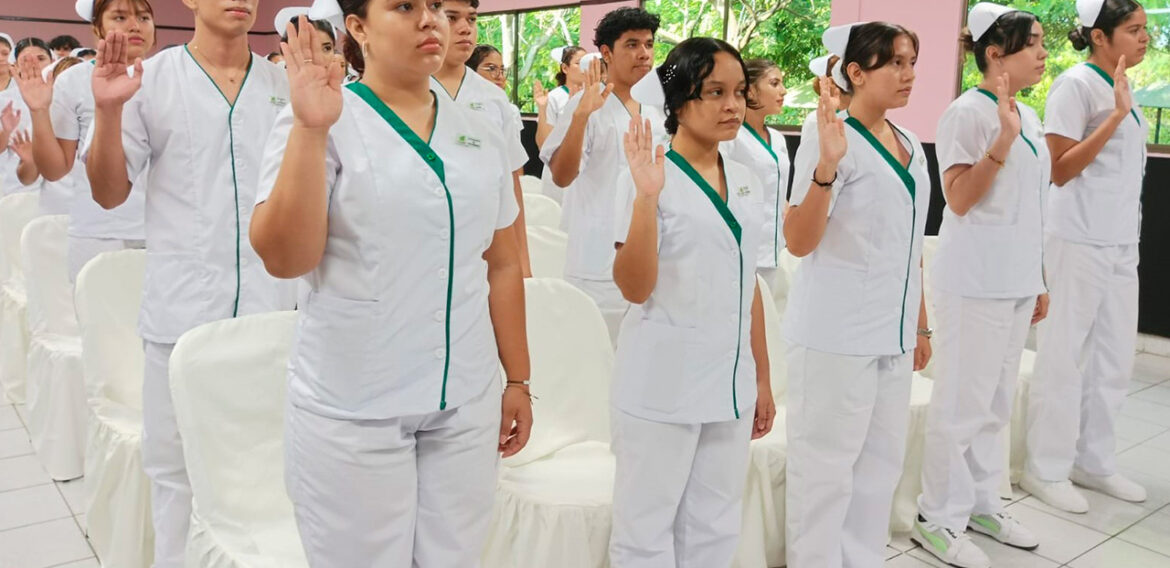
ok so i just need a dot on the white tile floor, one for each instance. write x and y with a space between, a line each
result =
41 521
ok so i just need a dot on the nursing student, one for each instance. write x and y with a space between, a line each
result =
198 116
584 154
988 283
396 204
828 66
1085 351
62 111
855 324
18 168
551 106
691 382
470 90
765 153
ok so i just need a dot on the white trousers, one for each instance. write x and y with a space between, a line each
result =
678 492
400 492
83 249
1084 359
777 280
847 423
162 460
977 352
609 300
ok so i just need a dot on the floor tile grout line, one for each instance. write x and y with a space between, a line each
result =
71 562
28 487
41 522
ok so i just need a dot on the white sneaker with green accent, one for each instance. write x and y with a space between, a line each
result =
956 549
1005 529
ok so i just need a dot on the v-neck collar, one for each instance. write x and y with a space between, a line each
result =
723 207
902 171
247 73
420 146
763 142
1101 72
995 100
458 89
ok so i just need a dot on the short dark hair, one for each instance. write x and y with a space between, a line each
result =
86 51
31 42
1113 14
473 3
64 42
321 25
620 21
480 53
871 45
1011 32
685 69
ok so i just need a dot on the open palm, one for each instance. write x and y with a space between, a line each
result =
34 89
314 79
830 127
647 161
112 83
9 118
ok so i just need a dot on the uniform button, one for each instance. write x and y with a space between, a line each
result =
438 191
440 315
443 273
431 157
440 353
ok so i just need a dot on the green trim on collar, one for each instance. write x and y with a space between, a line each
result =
780 183
763 142
1109 80
995 100
899 169
563 88
458 89
712 194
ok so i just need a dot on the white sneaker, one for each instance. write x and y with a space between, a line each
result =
1059 494
956 549
1005 529
1115 485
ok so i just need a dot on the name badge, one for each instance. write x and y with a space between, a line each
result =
468 141
476 106
277 102
743 191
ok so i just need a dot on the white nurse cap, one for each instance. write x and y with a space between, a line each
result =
557 53
819 68
983 16
587 60
328 11
649 90
84 9
836 38
1088 11
285 15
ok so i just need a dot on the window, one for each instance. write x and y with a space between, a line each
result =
527 40
1150 79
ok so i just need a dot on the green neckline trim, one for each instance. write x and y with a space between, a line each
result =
779 183
995 100
1109 80
763 142
899 169
247 73
458 89
563 88
712 194
419 145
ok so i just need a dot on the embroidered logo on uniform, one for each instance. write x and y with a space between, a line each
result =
476 106
743 191
277 101
468 141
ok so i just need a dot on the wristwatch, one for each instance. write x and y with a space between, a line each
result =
926 332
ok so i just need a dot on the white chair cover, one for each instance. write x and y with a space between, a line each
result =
117 491
228 381
910 486
541 211
56 386
530 185
553 503
16 211
929 250
547 249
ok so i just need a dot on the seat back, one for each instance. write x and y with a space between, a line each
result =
108 298
541 211
530 184
16 211
228 381
777 347
547 249
572 366
50 294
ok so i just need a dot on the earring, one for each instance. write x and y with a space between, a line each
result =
365 50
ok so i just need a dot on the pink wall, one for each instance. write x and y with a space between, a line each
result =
937 24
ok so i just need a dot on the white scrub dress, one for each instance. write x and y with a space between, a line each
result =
986 277
394 388
92 229
1085 350
684 388
851 326
200 155
558 100
9 161
768 159
590 202
491 102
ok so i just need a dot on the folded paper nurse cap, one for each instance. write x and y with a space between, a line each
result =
328 11
1088 11
983 16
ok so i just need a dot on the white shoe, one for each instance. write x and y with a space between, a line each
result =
1059 494
1005 529
1115 485
956 549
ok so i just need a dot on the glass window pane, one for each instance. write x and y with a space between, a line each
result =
682 19
787 32
540 33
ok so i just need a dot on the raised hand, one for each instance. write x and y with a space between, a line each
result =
112 83
314 79
22 144
594 95
1009 116
36 91
539 95
830 127
1122 102
9 118
647 162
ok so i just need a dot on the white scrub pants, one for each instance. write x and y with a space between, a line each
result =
399 492
977 356
777 280
847 423
162 460
609 300
83 249
678 492
1084 359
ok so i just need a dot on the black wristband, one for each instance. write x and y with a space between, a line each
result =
826 184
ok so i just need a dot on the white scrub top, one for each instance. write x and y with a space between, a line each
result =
858 292
685 355
491 102
996 249
770 163
1102 205
397 322
589 205
558 99
204 165
9 161
72 116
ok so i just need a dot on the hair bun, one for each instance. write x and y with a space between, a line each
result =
1078 39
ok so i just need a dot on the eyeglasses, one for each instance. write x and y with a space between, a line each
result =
494 70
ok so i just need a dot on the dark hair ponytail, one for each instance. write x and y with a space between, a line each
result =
685 69
567 59
480 53
31 42
1113 14
1011 32
756 69
351 49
